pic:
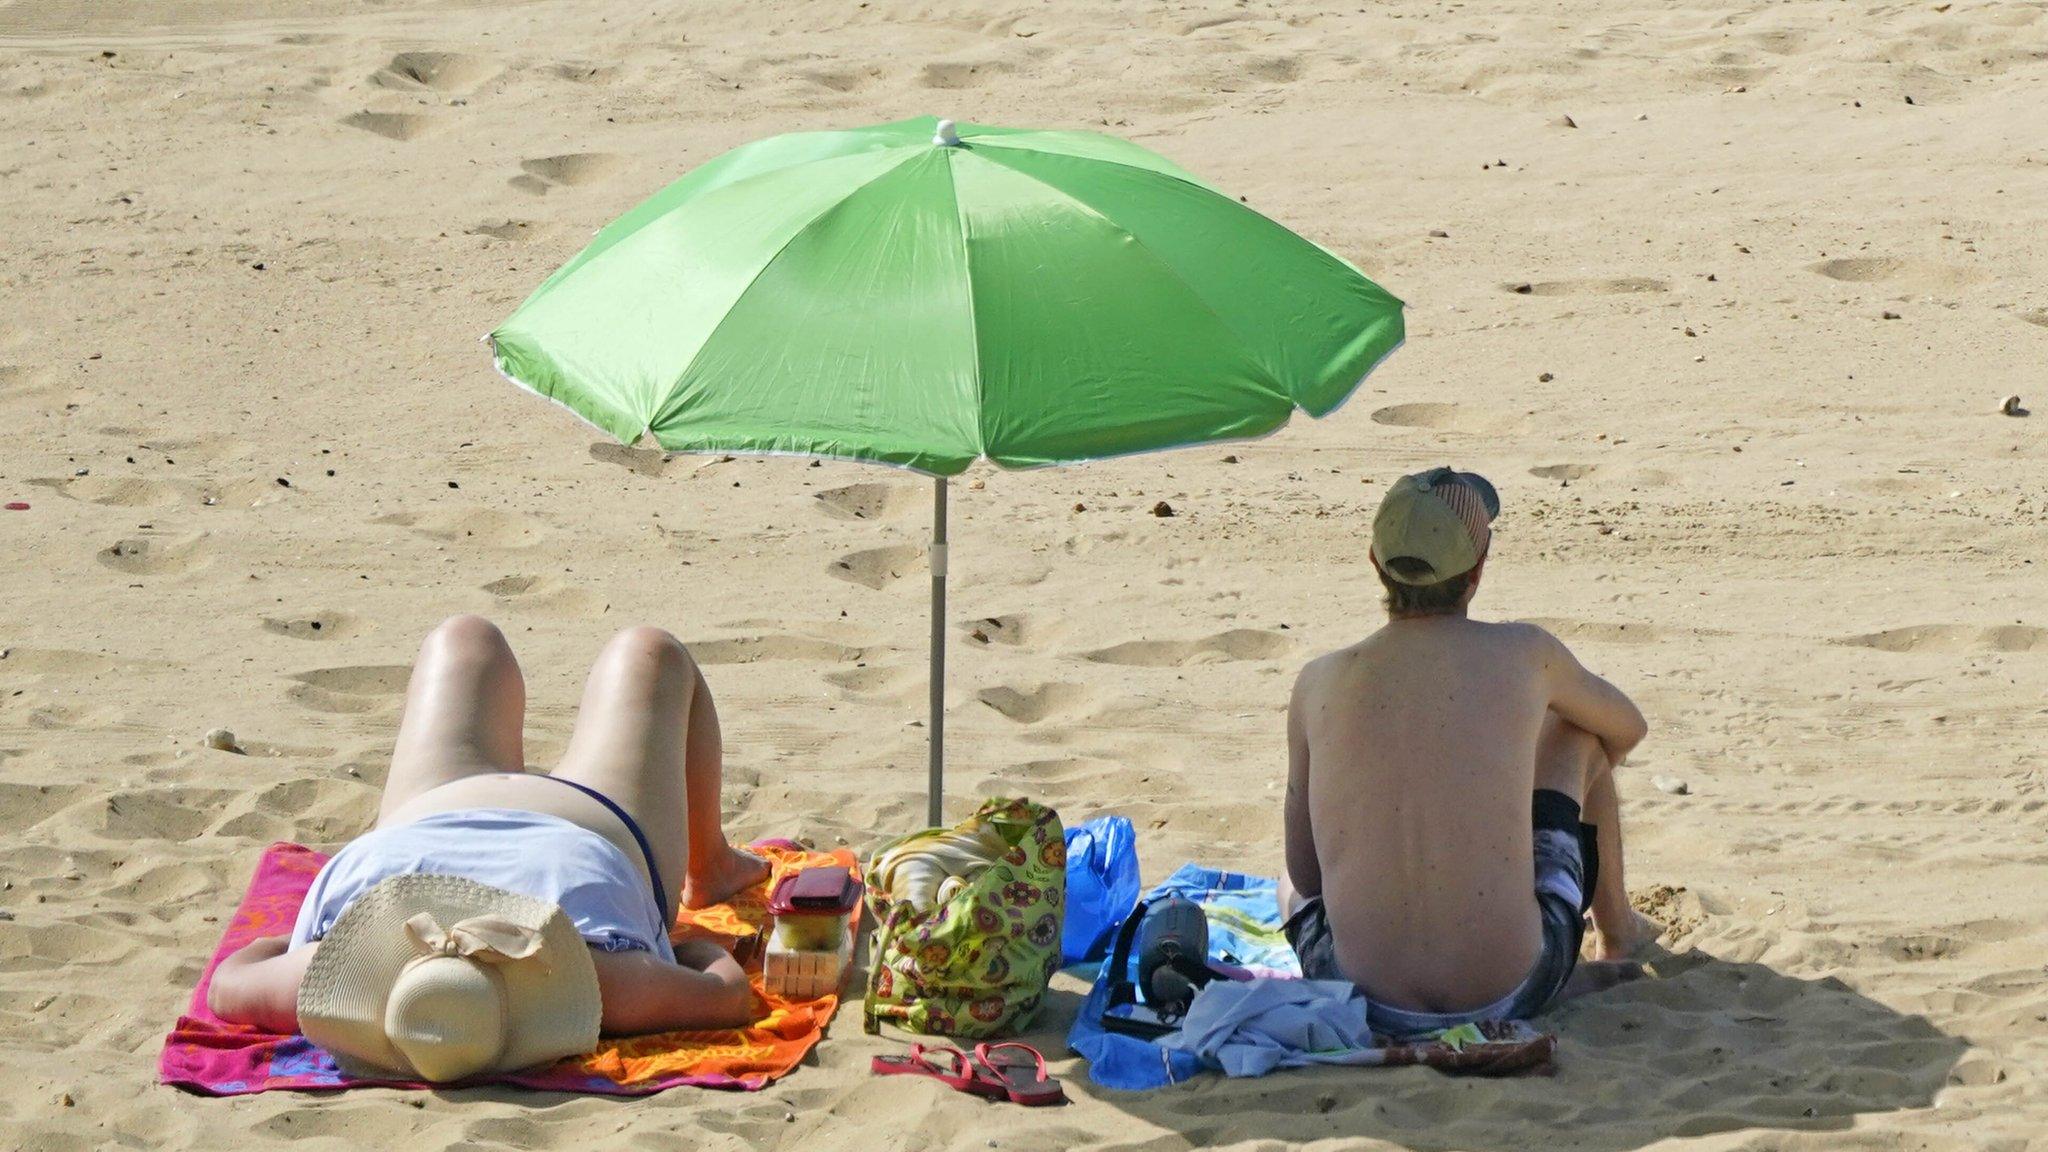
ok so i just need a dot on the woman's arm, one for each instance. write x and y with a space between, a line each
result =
643 993
259 985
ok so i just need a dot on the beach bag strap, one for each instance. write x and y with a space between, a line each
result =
879 949
1121 989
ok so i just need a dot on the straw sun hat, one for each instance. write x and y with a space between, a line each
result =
441 978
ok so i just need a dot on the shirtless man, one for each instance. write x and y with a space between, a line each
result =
1413 758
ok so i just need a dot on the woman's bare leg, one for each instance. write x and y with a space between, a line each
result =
464 712
647 737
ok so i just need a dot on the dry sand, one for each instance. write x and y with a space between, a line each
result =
247 247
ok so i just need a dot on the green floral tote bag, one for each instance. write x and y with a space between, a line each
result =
973 954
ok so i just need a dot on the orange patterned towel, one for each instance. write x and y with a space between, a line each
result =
205 1054
744 1058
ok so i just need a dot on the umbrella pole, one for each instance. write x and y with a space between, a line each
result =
935 784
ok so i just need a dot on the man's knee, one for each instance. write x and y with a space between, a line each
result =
1568 758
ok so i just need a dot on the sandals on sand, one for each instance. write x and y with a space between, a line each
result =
949 1066
1020 1071
1007 1071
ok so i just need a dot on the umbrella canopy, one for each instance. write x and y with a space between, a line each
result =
924 295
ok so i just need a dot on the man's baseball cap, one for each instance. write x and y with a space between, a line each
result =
1434 525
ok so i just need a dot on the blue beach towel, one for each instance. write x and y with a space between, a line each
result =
1244 929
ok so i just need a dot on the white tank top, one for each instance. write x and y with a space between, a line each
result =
531 853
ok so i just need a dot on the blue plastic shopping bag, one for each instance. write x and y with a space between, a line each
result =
1102 886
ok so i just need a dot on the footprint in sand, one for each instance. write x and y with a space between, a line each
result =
117 492
879 567
1632 476
141 492
58 717
1953 638
436 71
1088 781
1859 269
2037 319
884 681
515 585
350 689
399 126
842 79
364 1123
1053 701
1012 631
504 228
1616 286
870 501
952 75
359 679
1439 417
1219 20
23 806
1236 644
754 649
583 72
1913 275
326 625
545 595
156 554
174 814
205 448
301 810
485 527
641 461
53 662
60 947
1087 771
569 169
1273 69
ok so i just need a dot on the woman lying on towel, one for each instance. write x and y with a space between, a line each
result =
495 918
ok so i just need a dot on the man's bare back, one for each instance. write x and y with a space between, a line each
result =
1449 781
1419 750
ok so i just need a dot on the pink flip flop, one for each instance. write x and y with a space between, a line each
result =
953 1068
1019 1072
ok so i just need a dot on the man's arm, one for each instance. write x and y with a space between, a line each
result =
643 993
259 985
1304 870
1589 701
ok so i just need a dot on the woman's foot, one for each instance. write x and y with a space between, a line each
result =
725 875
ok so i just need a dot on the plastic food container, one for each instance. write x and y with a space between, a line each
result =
810 947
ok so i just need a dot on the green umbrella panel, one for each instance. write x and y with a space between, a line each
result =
924 294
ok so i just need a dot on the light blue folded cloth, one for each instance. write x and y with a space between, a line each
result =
1251 1027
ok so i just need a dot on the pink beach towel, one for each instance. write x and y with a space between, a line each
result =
207 1055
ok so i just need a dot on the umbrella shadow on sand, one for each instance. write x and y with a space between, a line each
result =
1707 1046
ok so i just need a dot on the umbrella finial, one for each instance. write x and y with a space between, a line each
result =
945 136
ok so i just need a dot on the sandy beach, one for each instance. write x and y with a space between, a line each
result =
1725 298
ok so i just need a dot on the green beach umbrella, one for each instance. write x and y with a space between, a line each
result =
925 294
